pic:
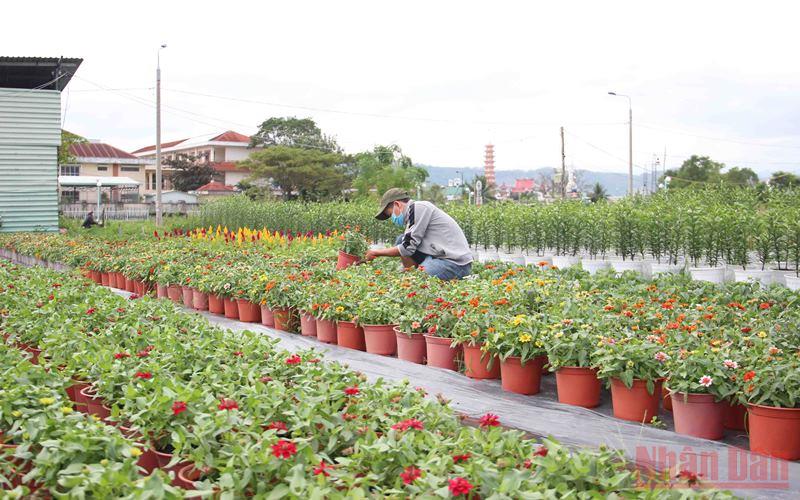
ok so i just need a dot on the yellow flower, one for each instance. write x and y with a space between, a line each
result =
339 309
47 401
525 337
762 334
104 461
95 418
558 335
16 413
135 452
66 410
630 364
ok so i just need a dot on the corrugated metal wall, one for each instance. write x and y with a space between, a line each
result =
30 133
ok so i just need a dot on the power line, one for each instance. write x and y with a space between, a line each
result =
722 139
612 155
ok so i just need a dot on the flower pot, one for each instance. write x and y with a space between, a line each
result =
95 404
635 404
666 399
216 305
112 279
96 277
74 394
346 260
792 281
698 415
231 308
477 363
521 379
578 386
410 348
565 261
188 296
175 293
594 265
766 277
248 312
711 274
774 431
349 335
161 291
120 280
267 317
637 266
380 339
104 279
657 268
542 262
488 256
440 354
735 417
186 477
163 459
282 319
199 300
326 331
35 352
130 285
308 325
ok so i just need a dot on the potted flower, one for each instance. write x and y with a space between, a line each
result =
570 353
378 312
518 342
354 246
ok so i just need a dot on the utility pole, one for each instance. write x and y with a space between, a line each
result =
158 136
630 141
563 168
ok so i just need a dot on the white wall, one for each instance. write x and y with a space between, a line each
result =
234 178
236 154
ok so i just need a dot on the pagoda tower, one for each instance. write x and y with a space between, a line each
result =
488 165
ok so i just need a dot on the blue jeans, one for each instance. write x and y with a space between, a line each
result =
439 268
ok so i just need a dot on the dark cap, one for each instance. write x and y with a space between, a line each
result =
390 196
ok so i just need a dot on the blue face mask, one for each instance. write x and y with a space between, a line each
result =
399 220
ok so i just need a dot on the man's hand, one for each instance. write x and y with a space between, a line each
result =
370 255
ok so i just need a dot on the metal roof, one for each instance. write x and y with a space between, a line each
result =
47 73
92 180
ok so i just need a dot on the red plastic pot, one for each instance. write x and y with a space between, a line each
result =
35 352
698 415
666 400
282 319
95 404
267 316
112 280
346 260
231 308
522 378
735 417
104 279
248 312
380 339
186 478
350 335
440 354
308 325
187 293
477 363
636 403
130 285
163 459
774 431
120 281
326 331
161 291
175 293
411 347
199 300
578 386
95 276
215 304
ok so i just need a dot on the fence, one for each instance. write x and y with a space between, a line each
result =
127 211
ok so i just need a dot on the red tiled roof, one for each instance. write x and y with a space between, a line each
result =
163 145
227 166
98 150
523 185
231 136
214 186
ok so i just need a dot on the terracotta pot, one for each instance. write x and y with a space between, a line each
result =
411 348
326 331
666 400
215 304
161 291
175 293
104 279
578 386
440 354
519 378
95 404
186 477
130 285
349 335
146 288
138 288
231 308
774 431
34 352
199 300
163 459
476 363
74 394
148 461
380 339
735 417
282 319
248 312
120 281
635 404
345 260
95 276
267 316
698 415
188 296
308 325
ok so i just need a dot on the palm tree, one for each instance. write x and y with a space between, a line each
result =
487 191
598 193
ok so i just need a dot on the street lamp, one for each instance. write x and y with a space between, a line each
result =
630 141
158 135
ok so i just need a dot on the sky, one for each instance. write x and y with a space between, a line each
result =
439 78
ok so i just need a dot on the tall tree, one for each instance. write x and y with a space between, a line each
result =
740 176
696 171
189 172
784 180
308 174
293 132
67 140
386 167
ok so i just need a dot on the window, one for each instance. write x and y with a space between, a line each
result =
129 169
70 170
69 196
102 168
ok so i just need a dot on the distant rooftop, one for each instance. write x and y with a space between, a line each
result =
46 73
228 136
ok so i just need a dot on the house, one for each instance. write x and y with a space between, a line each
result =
30 135
523 186
502 192
222 150
100 160
213 190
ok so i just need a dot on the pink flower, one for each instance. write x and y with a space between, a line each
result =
706 381
661 356
490 420
410 474
278 426
459 486
730 364
284 449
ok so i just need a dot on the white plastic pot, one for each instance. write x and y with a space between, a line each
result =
565 261
594 265
534 260
488 256
711 274
637 266
664 268
513 257
792 281
766 277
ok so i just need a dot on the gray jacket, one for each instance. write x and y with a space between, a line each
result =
433 232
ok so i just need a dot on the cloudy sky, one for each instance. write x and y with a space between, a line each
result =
439 78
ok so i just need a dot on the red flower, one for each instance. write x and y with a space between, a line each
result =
352 391
747 329
666 305
459 486
412 294
294 359
178 407
461 458
227 404
410 474
143 375
411 423
489 420
278 426
120 355
432 329
749 376
321 468
284 449
55 285
238 353
609 308
91 310
690 477
143 354
541 452
439 300
765 305
264 380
